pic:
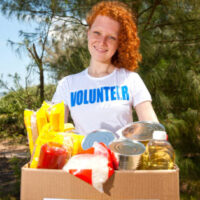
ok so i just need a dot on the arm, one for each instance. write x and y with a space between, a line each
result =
145 112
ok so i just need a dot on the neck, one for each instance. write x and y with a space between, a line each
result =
97 69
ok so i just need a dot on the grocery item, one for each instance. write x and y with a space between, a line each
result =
141 131
94 166
51 113
34 127
47 125
102 149
77 141
159 153
100 135
128 153
50 117
41 119
64 138
52 156
57 117
46 106
31 127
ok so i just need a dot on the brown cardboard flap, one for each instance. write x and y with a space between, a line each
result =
55 183
37 184
145 184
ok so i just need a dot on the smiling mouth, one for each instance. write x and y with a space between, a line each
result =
100 50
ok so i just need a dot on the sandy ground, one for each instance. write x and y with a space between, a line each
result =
11 148
13 155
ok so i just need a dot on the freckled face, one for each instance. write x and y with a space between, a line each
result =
103 39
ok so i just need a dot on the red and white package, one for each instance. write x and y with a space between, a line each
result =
102 149
93 166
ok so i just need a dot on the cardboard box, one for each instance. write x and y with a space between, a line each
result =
41 184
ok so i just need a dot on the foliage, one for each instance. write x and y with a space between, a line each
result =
43 13
12 108
68 54
170 69
169 32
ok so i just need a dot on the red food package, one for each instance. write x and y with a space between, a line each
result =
93 168
52 156
102 149
114 159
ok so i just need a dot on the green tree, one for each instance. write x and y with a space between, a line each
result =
43 13
68 53
170 67
13 104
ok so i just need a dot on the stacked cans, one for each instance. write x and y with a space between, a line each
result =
128 144
133 140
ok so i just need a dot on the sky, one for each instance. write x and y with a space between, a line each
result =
10 62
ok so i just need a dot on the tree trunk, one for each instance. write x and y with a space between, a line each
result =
41 86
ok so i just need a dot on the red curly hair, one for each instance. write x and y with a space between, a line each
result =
127 54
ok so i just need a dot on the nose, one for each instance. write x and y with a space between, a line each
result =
103 40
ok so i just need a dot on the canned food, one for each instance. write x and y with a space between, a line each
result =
128 153
141 130
100 135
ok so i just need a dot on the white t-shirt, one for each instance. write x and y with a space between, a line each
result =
104 102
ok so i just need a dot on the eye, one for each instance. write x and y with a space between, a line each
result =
96 33
112 38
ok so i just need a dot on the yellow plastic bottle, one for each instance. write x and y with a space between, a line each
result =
160 152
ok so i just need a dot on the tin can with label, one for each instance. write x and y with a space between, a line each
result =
128 153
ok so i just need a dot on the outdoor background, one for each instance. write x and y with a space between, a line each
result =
51 43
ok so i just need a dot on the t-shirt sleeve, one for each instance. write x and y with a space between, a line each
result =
61 92
140 91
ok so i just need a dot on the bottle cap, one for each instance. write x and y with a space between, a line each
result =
159 135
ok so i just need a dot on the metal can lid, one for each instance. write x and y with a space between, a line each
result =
141 130
127 147
100 135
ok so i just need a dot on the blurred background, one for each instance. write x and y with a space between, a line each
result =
43 41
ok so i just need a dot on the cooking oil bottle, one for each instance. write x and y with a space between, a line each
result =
159 153
144 158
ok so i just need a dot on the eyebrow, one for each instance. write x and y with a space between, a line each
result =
112 34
